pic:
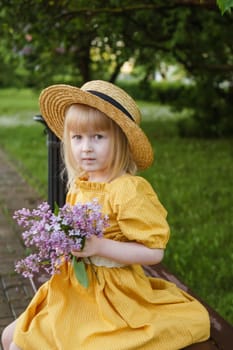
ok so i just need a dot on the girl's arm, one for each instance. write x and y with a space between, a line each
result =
122 252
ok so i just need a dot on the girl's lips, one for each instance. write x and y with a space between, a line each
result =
88 160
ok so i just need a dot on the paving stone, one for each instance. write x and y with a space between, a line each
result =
15 291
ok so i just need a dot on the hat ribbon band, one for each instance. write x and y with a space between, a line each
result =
112 101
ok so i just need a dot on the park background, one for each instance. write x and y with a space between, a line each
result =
176 60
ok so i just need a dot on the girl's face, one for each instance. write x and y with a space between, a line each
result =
92 151
95 145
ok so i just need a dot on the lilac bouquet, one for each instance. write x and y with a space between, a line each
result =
53 236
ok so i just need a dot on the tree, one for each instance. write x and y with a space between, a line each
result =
58 36
72 41
58 41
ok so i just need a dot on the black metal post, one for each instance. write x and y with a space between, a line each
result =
56 182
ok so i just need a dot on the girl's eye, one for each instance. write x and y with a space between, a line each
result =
76 137
98 136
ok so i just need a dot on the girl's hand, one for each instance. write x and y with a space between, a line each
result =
91 248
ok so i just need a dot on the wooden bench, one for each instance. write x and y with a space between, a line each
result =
221 331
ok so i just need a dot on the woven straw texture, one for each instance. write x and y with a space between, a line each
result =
55 99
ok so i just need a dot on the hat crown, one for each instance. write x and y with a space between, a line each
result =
117 94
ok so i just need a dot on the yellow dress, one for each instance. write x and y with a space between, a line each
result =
124 309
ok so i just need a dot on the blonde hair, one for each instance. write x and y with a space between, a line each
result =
82 118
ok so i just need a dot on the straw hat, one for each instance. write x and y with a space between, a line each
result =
105 97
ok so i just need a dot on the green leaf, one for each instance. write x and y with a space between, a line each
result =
80 272
224 5
56 209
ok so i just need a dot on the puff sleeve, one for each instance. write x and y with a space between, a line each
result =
139 213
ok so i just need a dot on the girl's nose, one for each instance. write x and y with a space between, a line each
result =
87 147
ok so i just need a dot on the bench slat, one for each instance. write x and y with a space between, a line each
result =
207 345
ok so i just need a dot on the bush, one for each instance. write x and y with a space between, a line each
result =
212 111
159 92
210 104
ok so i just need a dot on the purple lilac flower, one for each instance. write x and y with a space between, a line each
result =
53 236
28 266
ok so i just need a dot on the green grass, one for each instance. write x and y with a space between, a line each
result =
22 137
193 179
18 102
27 148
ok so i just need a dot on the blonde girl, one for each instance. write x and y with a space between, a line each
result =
122 309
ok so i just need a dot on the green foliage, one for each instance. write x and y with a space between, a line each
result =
211 110
210 107
80 272
74 51
225 5
81 46
46 42
164 92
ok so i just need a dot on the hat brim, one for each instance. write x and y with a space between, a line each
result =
55 100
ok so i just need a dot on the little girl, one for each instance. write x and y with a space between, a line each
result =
122 309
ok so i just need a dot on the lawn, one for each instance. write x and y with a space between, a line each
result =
192 177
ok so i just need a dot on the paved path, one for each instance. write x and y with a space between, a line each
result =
15 193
